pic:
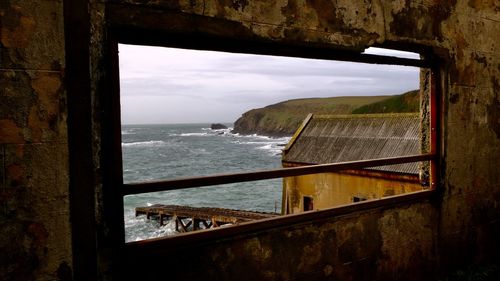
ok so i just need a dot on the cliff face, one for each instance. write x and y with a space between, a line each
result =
258 121
282 119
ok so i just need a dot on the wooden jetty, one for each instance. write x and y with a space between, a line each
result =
199 217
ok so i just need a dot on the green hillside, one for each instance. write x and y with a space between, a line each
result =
282 119
407 102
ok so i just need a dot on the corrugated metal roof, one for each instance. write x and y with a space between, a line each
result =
333 139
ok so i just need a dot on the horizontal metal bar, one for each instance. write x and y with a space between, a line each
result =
174 184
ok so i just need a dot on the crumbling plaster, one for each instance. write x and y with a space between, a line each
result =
438 235
35 229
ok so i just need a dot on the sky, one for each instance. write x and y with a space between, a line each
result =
165 85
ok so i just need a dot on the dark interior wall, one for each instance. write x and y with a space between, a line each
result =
406 240
35 230
471 188
394 242
443 233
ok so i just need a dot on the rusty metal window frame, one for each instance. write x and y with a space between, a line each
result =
218 179
158 244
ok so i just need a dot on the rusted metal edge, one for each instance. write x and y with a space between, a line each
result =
434 127
379 174
164 245
174 184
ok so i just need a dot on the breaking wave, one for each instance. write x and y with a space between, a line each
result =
144 143
172 151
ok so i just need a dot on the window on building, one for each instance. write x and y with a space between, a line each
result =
358 199
308 203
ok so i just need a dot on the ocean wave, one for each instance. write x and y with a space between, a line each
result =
143 143
189 135
193 134
251 136
154 153
267 146
207 132
257 141
210 129
262 137
141 228
129 132
261 142
272 149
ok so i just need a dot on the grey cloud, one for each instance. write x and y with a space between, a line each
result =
235 84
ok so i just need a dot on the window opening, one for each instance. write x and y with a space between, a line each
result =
308 203
358 199
178 115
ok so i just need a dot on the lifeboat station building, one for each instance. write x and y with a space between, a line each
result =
325 139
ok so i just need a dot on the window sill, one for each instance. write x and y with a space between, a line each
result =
165 245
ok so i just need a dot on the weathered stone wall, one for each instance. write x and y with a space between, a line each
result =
35 234
399 241
471 188
393 243
452 230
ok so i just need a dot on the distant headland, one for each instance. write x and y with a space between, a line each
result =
282 119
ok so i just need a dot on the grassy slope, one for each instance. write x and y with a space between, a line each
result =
284 118
407 102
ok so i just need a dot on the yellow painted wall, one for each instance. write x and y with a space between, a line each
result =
333 189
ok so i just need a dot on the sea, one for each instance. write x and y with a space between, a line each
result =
155 152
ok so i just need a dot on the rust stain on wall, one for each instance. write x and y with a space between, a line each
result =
417 21
230 8
38 233
479 5
16 175
17 97
10 132
336 18
238 4
16 29
44 117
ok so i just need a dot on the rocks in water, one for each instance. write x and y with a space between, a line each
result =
218 126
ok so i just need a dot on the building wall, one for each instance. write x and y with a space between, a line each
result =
408 240
333 189
35 232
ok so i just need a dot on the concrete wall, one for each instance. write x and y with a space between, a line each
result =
397 242
411 240
35 233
